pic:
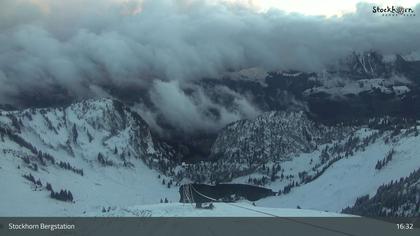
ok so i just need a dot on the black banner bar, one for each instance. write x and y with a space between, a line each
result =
202 226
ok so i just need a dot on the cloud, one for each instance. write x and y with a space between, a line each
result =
82 47
194 112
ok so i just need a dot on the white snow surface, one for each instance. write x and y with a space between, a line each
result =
242 209
99 187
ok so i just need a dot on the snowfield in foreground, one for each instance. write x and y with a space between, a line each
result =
242 209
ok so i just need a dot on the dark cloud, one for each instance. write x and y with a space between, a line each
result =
84 46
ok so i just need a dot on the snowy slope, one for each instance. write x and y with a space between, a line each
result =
98 188
339 87
331 175
348 178
220 210
102 126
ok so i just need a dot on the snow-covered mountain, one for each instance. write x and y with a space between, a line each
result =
362 85
99 154
273 136
335 174
99 150
340 139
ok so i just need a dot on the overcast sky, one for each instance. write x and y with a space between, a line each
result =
308 7
314 7
84 45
